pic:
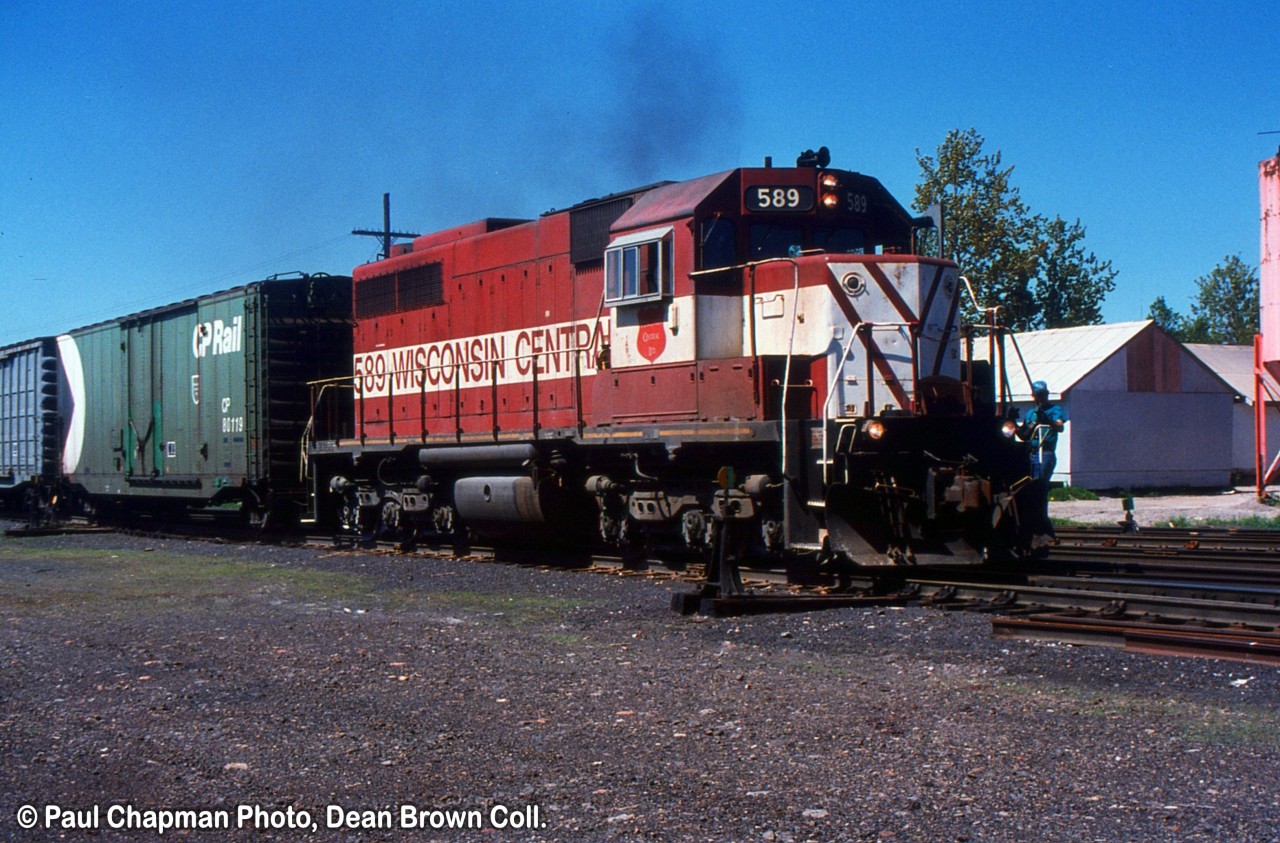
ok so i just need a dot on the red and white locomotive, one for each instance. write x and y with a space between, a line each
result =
752 360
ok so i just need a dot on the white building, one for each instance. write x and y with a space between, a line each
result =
1234 364
1144 412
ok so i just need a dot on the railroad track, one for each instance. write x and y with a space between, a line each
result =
1263 543
1157 595
1169 592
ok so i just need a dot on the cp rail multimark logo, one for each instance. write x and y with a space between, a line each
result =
217 337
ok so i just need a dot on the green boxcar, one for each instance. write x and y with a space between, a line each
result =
204 402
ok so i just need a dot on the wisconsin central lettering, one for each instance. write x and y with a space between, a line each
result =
508 357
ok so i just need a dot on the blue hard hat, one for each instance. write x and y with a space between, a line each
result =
1039 386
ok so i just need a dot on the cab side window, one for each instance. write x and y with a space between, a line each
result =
718 246
638 269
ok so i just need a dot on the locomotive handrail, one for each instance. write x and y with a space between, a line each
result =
997 334
751 325
791 345
831 387
1036 440
974 298
325 385
1025 371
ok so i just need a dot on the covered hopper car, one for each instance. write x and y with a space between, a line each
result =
32 393
752 362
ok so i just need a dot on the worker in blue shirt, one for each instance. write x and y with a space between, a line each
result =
1040 431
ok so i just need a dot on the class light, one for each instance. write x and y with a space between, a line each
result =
875 430
830 200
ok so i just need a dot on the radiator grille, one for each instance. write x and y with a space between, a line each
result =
408 289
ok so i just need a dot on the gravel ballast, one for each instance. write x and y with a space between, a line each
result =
187 676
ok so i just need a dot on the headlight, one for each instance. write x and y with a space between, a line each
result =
830 200
875 430
1008 429
829 181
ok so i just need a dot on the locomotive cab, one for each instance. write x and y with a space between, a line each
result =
789 301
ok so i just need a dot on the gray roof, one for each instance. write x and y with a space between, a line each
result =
1234 364
1061 357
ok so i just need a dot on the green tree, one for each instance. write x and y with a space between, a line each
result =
1071 284
1036 269
1167 318
988 230
1224 311
1226 306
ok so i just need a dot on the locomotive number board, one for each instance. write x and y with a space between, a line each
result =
779 197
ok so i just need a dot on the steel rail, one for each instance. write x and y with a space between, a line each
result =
1108 598
1139 613
1226 538
1237 644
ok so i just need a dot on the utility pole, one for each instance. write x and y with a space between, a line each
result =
386 234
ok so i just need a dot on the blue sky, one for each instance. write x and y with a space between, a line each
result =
156 151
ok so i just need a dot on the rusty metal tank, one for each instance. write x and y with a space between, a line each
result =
1269 266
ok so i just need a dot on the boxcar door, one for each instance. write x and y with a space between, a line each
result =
140 401
173 363
226 421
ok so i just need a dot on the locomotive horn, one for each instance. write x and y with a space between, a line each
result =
809 158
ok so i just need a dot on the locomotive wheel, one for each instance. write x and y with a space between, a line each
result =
351 522
635 557
391 518
408 539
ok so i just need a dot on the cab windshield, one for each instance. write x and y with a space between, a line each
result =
840 241
773 240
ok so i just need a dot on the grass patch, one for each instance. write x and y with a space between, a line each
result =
129 580
565 639
1071 493
824 669
1243 522
1244 725
507 609
1248 727
120 582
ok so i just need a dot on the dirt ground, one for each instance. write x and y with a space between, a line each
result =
307 694
1157 510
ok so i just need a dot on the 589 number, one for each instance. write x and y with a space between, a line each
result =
779 198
